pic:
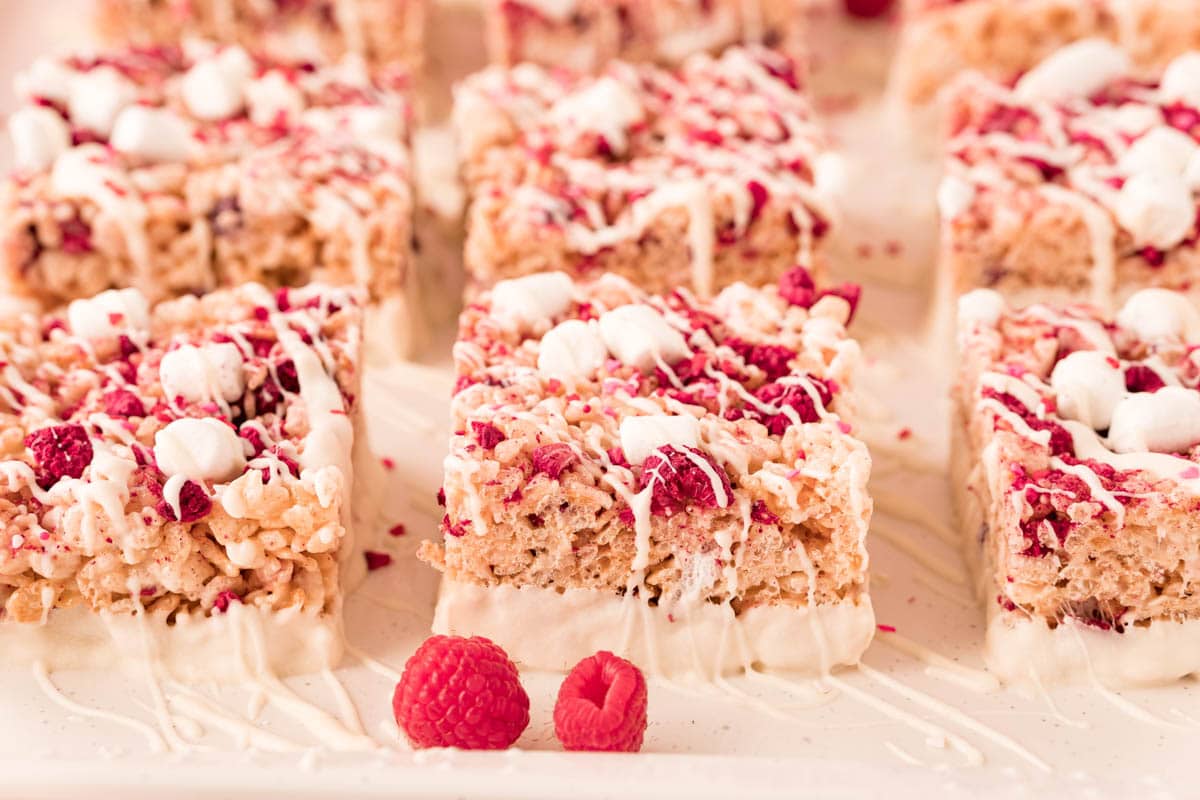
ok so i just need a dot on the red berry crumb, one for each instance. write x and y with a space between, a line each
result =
602 706
397 530
459 692
376 560
867 8
797 288
487 434
553 459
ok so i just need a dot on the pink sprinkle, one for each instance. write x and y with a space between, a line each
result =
844 427
1190 473
886 628
397 529
388 463
377 560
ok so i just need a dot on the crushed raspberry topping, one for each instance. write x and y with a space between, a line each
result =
123 403
1061 443
552 459
194 504
1140 378
602 706
458 692
763 515
773 359
785 396
680 480
487 434
796 286
60 451
224 599
376 559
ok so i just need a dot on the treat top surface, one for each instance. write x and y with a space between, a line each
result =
122 422
1111 403
600 157
201 104
1086 129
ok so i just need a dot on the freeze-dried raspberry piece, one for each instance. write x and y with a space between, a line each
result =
487 434
288 378
458 692
782 396
760 513
61 451
850 292
602 706
1140 378
123 403
796 286
684 477
553 459
194 504
225 599
772 359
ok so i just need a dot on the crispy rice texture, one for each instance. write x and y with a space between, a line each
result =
382 31
596 32
793 529
274 197
708 178
1004 38
1037 188
1051 544
61 545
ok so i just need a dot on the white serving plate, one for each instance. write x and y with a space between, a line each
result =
920 717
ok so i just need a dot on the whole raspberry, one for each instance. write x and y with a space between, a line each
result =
602 706
61 451
458 692
683 477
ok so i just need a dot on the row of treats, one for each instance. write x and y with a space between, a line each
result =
653 445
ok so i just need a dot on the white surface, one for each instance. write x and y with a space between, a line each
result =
919 718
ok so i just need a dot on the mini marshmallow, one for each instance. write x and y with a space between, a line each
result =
214 88
638 335
155 134
1181 80
1089 387
607 108
97 97
39 136
45 78
204 449
572 349
271 95
1161 149
532 300
557 10
202 373
1156 315
1156 208
247 554
109 313
376 123
1166 421
1077 70
954 197
980 307
641 436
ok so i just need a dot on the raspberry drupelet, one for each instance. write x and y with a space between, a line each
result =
188 461
1076 459
663 466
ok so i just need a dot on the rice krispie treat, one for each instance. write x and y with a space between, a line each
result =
698 177
1079 178
1005 38
587 34
189 465
381 31
1077 462
176 171
672 479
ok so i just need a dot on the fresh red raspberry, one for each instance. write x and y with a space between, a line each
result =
867 8
458 692
602 706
